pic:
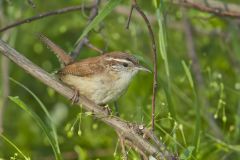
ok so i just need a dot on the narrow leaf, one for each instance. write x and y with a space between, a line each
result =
107 9
14 146
187 153
41 124
188 73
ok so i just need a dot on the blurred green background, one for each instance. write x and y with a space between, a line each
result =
199 121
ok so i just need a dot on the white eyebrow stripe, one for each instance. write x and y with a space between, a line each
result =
119 60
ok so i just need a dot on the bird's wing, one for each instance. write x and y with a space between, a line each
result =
86 67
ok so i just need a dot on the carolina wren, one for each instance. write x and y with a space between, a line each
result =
103 78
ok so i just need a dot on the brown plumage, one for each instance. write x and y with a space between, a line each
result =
102 79
82 68
89 66
63 57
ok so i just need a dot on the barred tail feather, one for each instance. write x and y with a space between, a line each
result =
62 56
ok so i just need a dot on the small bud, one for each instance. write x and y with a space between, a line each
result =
224 119
95 126
79 132
180 126
69 134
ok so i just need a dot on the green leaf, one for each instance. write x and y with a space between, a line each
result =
41 124
14 146
49 119
188 73
156 3
187 153
162 40
107 9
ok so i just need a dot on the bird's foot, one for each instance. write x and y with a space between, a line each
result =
75 97
109 111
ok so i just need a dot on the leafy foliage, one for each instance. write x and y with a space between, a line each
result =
195 121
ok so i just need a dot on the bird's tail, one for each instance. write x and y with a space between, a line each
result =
62 56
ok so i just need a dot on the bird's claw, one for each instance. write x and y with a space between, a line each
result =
109 111
75 97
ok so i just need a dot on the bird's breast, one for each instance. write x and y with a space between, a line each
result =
99 88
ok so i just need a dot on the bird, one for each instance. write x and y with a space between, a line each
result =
102 79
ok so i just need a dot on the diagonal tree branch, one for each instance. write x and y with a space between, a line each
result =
212 6
130 131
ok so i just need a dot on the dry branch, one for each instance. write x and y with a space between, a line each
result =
45 14
212 6
129 131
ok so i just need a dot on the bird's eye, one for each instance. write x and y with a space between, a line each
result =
125 64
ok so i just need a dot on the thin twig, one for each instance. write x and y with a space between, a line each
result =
93 14
125 128
212 6
122 143
123 10
45 14
129 17
135 6
91 46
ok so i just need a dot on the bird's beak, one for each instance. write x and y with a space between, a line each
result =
141 68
